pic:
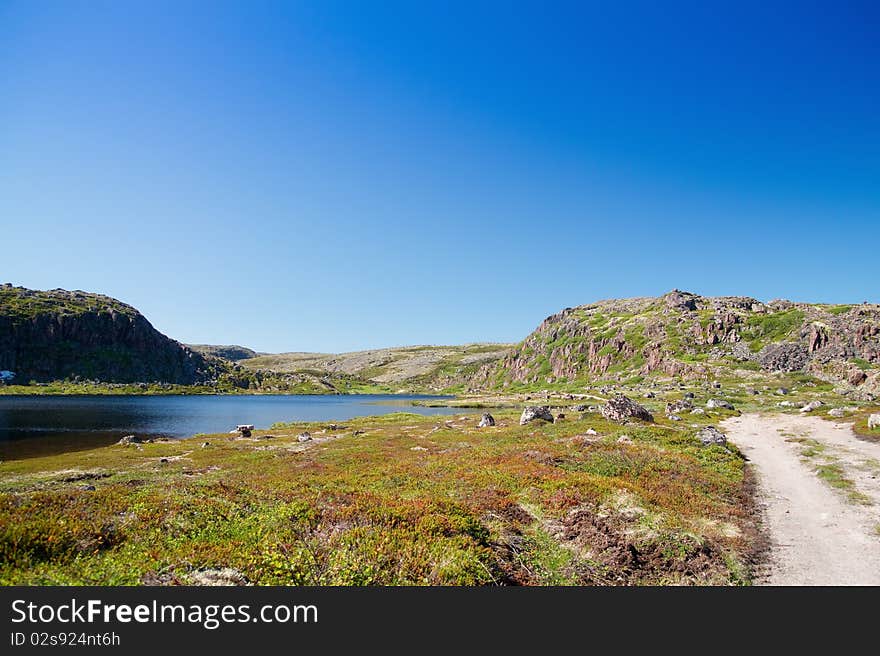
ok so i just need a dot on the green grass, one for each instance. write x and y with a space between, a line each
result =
864 365
838 309
762 329
21 304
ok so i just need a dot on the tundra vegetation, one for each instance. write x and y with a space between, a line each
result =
398 499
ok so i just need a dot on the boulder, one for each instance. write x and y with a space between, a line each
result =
130 439
580 408
782 391
812 405
533 412
305 436
857 377
620 408
698 411
624 439
713 404
486 420
673 417
837 412
711 435
874 421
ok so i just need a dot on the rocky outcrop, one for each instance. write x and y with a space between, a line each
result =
58 334
783 357
685 335
621 408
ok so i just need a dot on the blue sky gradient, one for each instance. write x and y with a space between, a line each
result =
337 176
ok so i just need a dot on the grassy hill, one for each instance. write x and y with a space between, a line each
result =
409 368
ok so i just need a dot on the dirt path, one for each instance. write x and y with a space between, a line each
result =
819 535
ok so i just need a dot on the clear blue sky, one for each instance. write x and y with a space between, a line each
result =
352 175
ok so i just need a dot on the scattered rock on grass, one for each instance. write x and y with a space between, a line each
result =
674 407
711 435
305 436
624 439
837 412
713 404
874 421
130 439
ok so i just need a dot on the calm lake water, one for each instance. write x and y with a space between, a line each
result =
41 425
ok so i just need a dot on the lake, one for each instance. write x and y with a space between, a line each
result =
43 425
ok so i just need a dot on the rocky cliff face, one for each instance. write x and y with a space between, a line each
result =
685 335
57 334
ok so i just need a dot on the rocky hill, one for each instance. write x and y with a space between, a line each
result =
59 334
686 336
407 368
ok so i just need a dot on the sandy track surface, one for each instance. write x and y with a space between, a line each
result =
818 534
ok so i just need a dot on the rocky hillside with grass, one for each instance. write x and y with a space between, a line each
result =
685 336
408 368
59 334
